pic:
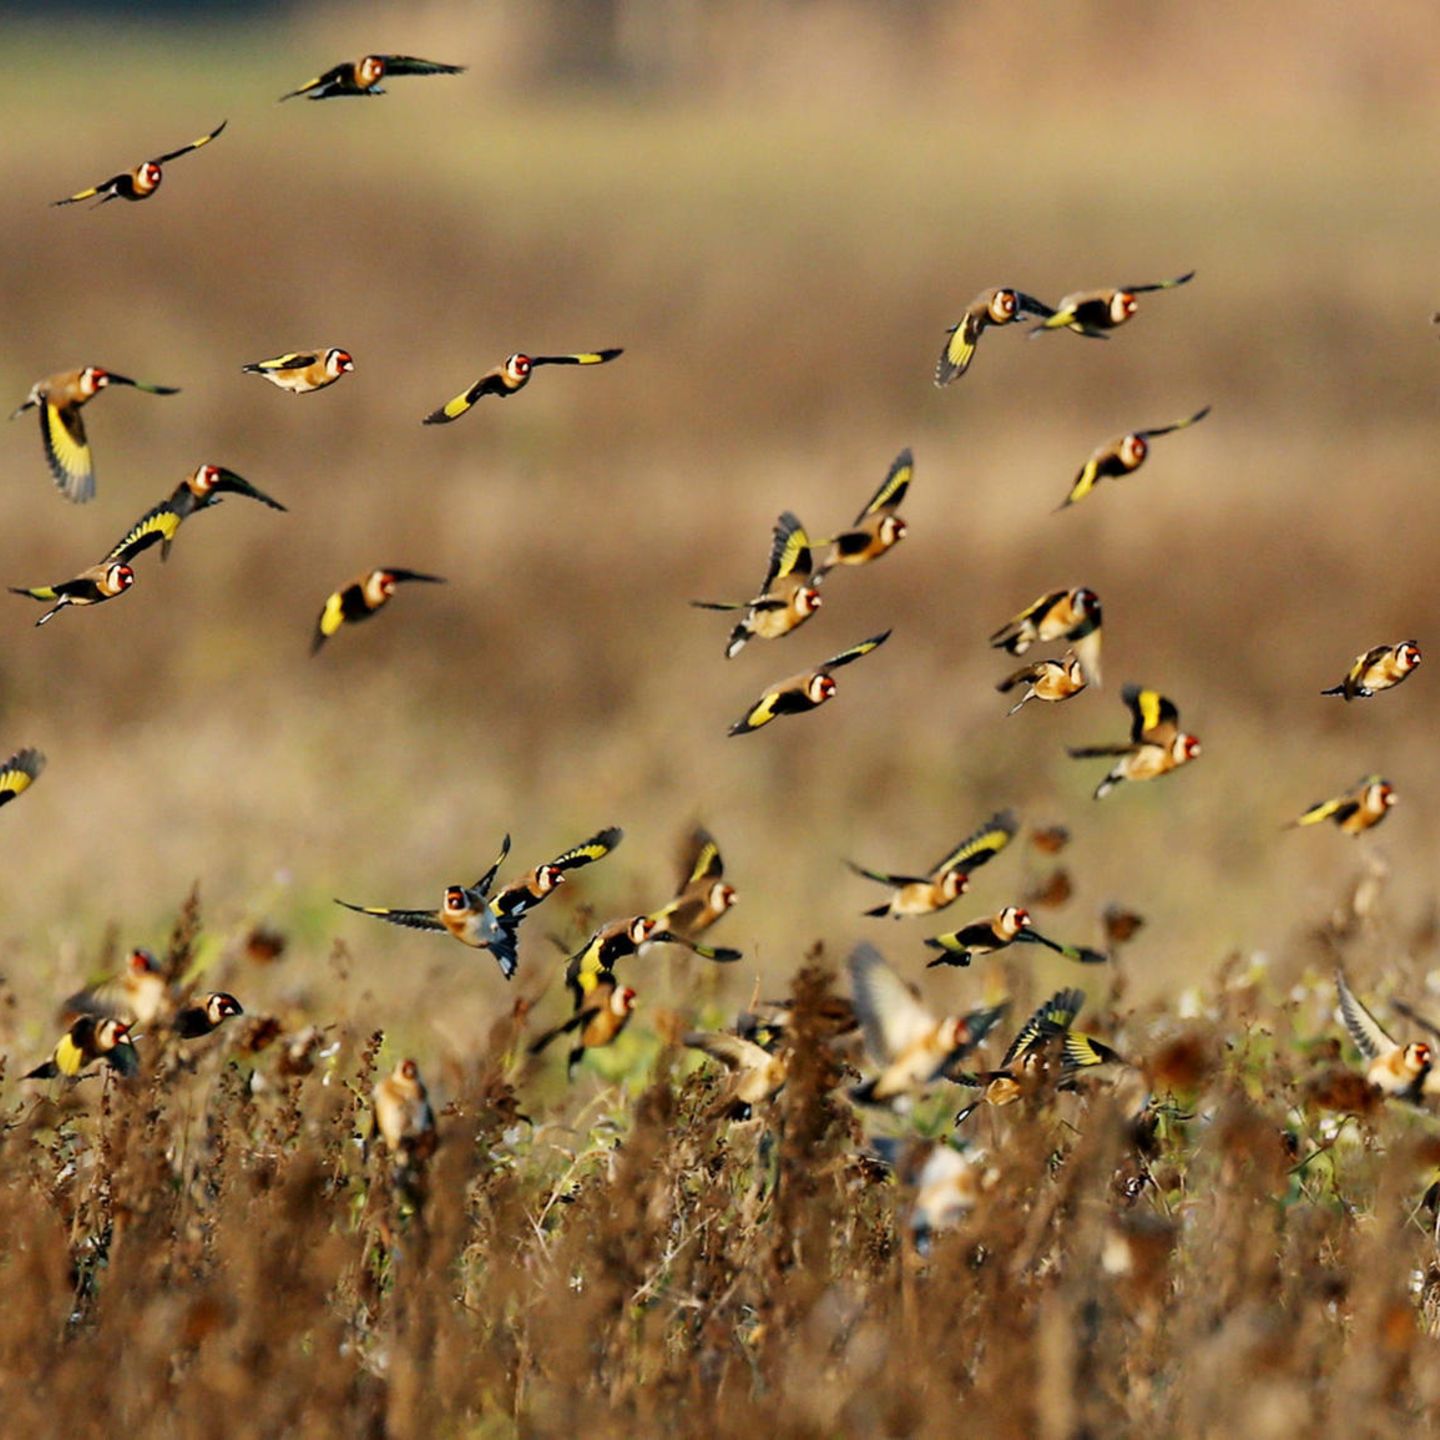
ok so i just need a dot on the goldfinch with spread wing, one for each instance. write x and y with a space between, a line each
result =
206 1015
600 1015
363 76
1382 667
1008 927
803 692
141 182
1092 312
198 491
1357 810
523 895
1157 744
703 896
1048 680
90 587
404 1120
509 377
1122 456
878 528
787 597
303 371
361 598
756 1074
911 1047
1027 1055
1073 615
1401 1071
999 306
139 994
88 1040
19 773
58 399
619 939
948 879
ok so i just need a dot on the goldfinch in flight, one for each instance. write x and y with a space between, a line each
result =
805 691
787 597
1357 810
1027 1056
523 895
511 375
1401 1071
1048 680
756 1074
599 1017
361 598
88 1040
19 773
1000 306
1093 312
198 491
58 399
619 939
90 587
948 879
878 528
703 896
141 182
911 1047
1074 615
465 914
1008 927
363 76
140 993
404 1120
1157 744
1382 667
1122 456
303 371
206 1015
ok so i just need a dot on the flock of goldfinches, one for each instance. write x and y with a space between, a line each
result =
909 1047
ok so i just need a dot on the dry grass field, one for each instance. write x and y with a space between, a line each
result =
776 210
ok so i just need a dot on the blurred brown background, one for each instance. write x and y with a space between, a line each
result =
776 209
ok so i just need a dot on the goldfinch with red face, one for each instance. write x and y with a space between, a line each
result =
911 1047
599 1017
948 879
997 932
1049 680
803 692
878 528
1002 305
139 994
1402 1072
88 1041
198 491
1073 615
206 1015
400 1106
1382 667
19 773
756 1074
303 371
619 939
464 914
1092 312
141 182
1357 810
703 896
787 597
510 377
58 399
1157 744
363 76
1122 456
90 587
361 598
523 895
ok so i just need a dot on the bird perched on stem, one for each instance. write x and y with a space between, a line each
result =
1360 808
363 76
400 1108
878 528
197 491
302 372
1001 305
90 587
1092 312
361 598
806 691
1121 456
89 1040
1048 680
1007 927
1074 615
1382 667
948 878
1157 744
511 375
58 399
141 182
787 597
